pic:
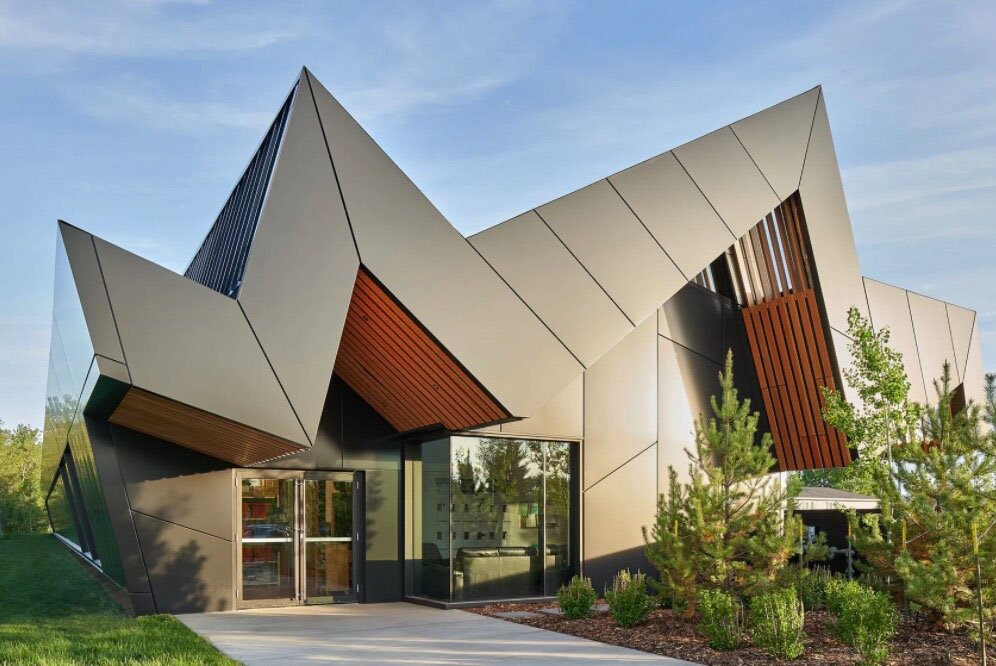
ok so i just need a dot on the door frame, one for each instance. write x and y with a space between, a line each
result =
298 533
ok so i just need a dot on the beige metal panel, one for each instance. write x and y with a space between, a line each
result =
620 403
112 369
432 269
92 295
561 417
722 168
543 272
890 308
615 511
933 340
674 210
193 345
676 414
829 224
300 274
776 139
974 374
962 321
605 236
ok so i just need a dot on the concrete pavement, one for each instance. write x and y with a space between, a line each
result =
397 633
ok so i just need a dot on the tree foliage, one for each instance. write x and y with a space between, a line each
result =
21 507
934 470
726 528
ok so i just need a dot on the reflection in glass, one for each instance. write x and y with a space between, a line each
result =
328 525
558 515
267 546
497 487
60 512
432 538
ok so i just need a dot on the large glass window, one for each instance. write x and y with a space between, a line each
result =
60 513
491 518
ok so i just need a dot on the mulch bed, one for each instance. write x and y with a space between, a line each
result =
671 635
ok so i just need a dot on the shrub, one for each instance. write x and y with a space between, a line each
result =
866 620
837 592
777 619
813 587
577 598
628 600
722 619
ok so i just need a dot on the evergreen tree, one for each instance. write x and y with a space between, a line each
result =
727 527
943 480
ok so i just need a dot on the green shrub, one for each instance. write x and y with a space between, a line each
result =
777 623
722 619
866 620
813 587
837 591
577 598
628 600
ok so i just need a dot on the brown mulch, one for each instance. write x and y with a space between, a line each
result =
665 633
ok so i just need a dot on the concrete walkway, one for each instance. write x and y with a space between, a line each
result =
397 633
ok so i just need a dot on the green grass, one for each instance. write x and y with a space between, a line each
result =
53 612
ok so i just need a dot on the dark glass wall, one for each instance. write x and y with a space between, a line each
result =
491 518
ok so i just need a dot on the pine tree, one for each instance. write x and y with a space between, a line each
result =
727 527
943 480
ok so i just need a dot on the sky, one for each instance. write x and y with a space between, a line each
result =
134 120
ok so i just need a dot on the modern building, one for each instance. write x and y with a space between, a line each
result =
345 399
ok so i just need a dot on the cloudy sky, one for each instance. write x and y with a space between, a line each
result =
134 119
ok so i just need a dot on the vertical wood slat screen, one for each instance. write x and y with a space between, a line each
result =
772 279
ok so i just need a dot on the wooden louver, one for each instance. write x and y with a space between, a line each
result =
401 371
772 277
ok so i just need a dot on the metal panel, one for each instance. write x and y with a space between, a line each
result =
300 274
431 269
615 510
193 345
684 382
694 318
92 297
620 403
974 375
890 308
542 271
721 167
382 567
933 341
829 225
561 417
841 347
174 484
605 236
190 572
962 321
674 210
776 139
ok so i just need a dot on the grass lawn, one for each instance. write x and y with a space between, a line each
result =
53 612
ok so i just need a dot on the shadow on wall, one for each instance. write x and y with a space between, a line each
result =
601 570
190 571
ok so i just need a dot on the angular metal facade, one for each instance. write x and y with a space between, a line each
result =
601 318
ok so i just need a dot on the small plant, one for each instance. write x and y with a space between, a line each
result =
722 619
628 600
777 618
813 587
837 593
865 620
577 598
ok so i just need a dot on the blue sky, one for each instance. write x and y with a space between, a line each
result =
134 119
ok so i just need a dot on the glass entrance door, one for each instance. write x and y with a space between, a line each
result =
297 538
328 539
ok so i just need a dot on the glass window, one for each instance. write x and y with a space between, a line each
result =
60 512
505 509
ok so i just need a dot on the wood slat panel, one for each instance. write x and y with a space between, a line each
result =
198 430
397 367
792 359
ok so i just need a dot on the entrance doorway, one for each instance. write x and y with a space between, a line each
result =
298 540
